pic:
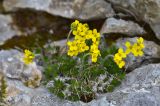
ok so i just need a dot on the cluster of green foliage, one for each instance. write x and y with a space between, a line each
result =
2 90
77 78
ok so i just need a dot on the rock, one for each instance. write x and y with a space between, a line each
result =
147 10
21 95
7 31
31 75
81 9
151 53
94 9
129 28
18 94
140 88
12 67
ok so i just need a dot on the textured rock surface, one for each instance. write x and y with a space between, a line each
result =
113 25
21 95
82 9
140 88
96 9
151 53
148 10
6 29
12 67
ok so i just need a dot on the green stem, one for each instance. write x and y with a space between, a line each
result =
126 67
108 56
69 34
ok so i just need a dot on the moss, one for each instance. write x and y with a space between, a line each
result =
26 83
1 6
3 91
32 82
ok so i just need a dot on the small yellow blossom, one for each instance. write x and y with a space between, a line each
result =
94 57
69 43
138 47
140 42
28 57
120 63
137 50
118 58
129 47
74 25
121 54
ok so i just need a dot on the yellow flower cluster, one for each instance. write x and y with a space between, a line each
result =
28 57
135 49
118 58
82 34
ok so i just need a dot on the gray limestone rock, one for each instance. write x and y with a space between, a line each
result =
81 9
12 66
147 10
7 30
129 28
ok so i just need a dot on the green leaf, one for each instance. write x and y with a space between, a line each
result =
115 82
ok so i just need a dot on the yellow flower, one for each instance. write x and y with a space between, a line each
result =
96 34
94 57
76 22
120 54
74 25
75 32
69 43
95 52
72 46
82 48
80 27
89 34
137 47
86 26
137 50
96 43
140 40
129 47
28 57
70 53
94 39
120 63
